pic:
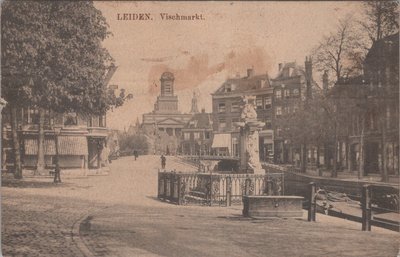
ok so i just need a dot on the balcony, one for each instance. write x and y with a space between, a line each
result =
97 131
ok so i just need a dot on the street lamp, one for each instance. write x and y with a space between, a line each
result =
57 171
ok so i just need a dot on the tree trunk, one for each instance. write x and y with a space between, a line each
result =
340 143
16 145
335 153
361 151
304 158
40 166
348 156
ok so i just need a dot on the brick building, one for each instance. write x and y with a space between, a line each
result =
226 109
197 135
291 87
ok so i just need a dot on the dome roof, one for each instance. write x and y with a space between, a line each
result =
167 76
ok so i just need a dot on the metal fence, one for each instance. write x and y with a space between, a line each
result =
216 189
377 206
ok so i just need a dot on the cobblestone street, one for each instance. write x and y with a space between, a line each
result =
118 215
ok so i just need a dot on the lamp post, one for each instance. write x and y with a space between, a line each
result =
57 177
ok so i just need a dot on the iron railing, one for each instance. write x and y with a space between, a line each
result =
216 189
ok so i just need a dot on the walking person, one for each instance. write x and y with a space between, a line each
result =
135 153
163 161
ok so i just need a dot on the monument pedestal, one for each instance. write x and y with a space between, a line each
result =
249 146
262 206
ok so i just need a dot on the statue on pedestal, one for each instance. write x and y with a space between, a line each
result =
250 159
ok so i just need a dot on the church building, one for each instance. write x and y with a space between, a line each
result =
165 123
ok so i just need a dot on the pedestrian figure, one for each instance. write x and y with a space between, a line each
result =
136 154
163 161
57 171
105 156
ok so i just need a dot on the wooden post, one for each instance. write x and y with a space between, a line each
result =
313 203
366 208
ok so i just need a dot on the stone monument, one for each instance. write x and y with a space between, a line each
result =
249 128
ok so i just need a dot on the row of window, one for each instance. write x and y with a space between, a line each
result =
222 123
195 135
32 116
279 93
285 110
261 103
235 107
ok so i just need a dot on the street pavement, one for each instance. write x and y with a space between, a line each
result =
119 215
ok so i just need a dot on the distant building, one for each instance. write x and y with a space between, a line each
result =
165 123
134 129
226 109
197 135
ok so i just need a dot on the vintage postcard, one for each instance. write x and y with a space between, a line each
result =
217 128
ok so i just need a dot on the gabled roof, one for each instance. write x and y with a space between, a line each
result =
169 121
238 85
290 70
200 121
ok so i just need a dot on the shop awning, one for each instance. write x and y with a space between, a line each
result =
31 146
67 145
72 145
222 140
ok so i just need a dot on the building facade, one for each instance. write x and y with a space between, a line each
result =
197 135
81 139
372 144
227 107
291 87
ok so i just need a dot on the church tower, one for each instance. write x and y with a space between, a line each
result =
194 108
167 102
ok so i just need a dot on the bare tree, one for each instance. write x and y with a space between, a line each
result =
341 52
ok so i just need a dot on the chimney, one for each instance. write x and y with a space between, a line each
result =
280 66
325 81
250 73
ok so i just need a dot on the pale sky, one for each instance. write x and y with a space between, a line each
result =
203 53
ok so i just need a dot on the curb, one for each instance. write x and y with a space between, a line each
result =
76 237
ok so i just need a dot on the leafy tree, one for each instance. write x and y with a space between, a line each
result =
53 58
128 143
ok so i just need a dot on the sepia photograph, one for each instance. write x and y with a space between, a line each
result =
199 128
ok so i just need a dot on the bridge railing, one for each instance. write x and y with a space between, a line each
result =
211 157
216 189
